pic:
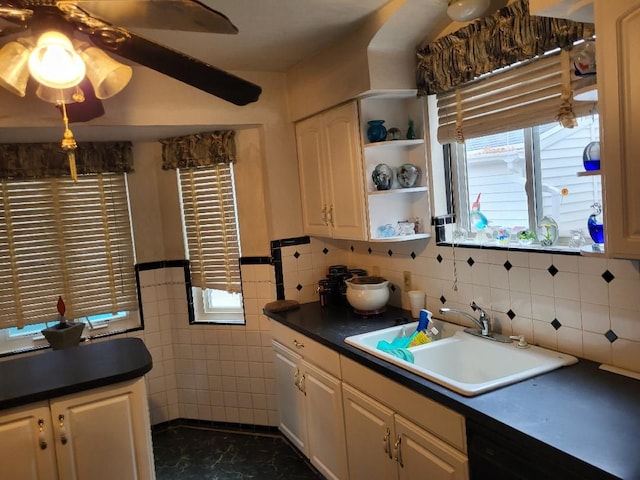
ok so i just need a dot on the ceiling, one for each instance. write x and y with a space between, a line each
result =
274 35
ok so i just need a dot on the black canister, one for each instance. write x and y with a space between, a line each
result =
325 290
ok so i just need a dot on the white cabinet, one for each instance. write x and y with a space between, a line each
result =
26 442
330 166
99 434
398 204
618 63
310 400
394 433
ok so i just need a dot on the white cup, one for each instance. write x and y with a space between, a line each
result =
417 302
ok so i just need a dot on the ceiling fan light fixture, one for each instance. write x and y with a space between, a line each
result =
466 10
14 70
54 63
56 95
108 76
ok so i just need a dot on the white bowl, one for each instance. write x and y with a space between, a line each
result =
367 294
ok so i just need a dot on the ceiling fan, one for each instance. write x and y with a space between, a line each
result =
105 24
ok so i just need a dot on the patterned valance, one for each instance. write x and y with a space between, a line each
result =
199 150
48 160
510 35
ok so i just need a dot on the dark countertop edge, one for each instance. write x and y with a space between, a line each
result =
459 403
114 361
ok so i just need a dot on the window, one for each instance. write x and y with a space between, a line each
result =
518 165
518 177
60 238
213 242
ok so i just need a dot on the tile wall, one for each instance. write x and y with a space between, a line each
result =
219 373
584 306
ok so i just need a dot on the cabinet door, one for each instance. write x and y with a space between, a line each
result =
26 443
312 171
290 398
370 435
104 434
325 422
618 25
421 455
344 157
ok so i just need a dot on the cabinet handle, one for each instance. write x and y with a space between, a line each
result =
325 215
41 440
331 216
398 448
63 431
387 443
301 385
298 344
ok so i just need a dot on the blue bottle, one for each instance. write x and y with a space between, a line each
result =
596 227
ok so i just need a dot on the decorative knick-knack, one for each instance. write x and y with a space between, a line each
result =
547 231
478 219
595 226
408 175
382 176
376 131
591 156
411 134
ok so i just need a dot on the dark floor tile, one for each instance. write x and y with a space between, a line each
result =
191 453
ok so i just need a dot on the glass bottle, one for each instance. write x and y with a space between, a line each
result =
596 226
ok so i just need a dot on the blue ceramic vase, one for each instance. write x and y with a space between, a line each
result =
376 131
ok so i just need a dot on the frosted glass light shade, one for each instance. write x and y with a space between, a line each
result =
56 95
14 71
54 63
465 10
107 75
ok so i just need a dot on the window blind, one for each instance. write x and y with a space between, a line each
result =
516 97
209 209
60 238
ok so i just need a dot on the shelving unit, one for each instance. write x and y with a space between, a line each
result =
589 173
397 204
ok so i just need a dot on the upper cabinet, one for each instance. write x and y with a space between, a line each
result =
618 35
401 211
578 10
330 165
337 163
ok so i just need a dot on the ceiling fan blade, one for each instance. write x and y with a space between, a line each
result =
181 15
183 68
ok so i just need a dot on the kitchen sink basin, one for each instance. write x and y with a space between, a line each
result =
464 363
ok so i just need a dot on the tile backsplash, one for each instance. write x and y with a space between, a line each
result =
584 306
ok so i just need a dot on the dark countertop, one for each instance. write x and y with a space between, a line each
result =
61 372
579 417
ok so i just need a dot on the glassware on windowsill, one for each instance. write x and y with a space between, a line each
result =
547 231
595 225
576 238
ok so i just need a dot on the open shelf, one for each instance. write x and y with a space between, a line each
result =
588 173
401 238
395 143
393 191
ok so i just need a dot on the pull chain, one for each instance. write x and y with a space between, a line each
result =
69 144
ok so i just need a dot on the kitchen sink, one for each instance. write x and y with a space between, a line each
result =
464 363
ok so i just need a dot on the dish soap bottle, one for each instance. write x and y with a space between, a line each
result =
596 227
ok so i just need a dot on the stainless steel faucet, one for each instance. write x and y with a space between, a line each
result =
483 322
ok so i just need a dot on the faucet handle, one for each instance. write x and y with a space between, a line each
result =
476 308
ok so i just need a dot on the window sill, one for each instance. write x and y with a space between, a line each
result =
518 247
9 348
